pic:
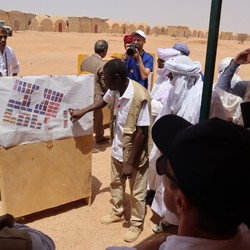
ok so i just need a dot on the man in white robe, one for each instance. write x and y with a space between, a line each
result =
159 95
230 101
162 86
184 100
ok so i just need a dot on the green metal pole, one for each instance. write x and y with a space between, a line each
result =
214 25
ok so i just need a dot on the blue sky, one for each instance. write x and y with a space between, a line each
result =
235 14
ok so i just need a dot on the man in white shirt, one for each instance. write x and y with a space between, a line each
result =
130 106
9 66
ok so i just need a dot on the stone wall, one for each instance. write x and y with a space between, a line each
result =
26 21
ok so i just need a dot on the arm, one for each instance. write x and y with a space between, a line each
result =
156 106
124 57
144 71
224 81
159 95
76 114
101 81
14 67
153 242
141 135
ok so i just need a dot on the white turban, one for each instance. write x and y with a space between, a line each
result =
224 63
221 67
167 53
186 81
183 65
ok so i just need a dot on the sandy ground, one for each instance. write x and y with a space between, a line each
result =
76 225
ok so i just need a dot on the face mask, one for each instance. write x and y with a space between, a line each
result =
162 72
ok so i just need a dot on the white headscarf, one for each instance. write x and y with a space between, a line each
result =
166 54
186 81
221 67
183 65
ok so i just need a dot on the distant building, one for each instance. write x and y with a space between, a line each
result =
20 21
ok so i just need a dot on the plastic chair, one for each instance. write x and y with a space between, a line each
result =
116 55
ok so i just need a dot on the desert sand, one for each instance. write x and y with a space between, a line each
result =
76 225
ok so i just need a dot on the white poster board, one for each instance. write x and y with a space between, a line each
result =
35 108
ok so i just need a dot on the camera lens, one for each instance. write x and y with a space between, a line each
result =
131 50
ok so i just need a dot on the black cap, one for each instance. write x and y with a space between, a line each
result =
210 161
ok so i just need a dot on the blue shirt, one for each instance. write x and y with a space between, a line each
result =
134 71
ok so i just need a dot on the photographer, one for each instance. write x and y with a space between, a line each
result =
139 63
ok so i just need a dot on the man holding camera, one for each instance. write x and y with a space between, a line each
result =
139 63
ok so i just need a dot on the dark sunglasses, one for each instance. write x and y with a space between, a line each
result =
161 168
1 37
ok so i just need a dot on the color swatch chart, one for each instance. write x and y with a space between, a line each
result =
33 117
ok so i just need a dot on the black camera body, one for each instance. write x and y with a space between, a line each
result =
132 50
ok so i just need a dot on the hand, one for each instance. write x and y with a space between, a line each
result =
75 114
127 46
243 57
137 54
124 57
127 171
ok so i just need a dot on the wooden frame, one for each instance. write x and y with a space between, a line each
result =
39 176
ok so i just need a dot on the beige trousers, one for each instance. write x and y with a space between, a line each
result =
138 190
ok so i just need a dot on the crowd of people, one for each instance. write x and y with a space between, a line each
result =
177 92
192 173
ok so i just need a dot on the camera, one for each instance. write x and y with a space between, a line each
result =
131 50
